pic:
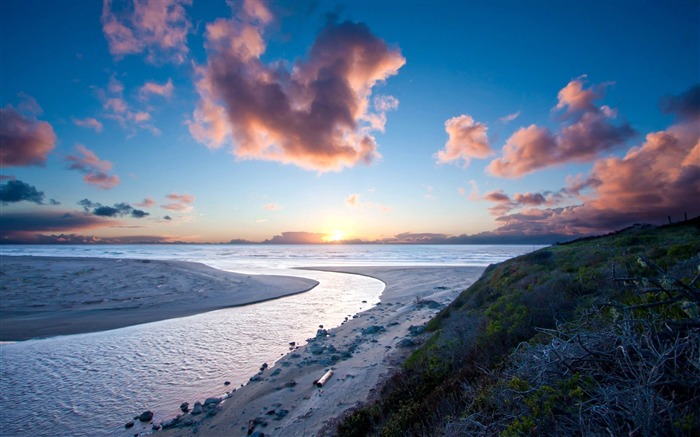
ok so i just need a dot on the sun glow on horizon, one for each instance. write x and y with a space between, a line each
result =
335 237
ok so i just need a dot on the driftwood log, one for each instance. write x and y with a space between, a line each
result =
324 379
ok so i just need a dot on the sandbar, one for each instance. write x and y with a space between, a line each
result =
48 296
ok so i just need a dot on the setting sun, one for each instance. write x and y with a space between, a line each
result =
334 237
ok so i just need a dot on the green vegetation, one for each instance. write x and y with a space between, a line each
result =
600 336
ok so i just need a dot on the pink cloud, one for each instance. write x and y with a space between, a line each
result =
315 115
88 122
657 179
154 89
146 203
182 202
119 110
184 198
272 207
588 134
157 27
25 140
94 169
467 140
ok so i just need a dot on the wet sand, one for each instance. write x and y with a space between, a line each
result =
48 296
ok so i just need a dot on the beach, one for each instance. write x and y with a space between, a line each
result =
79 295
282 399
76 295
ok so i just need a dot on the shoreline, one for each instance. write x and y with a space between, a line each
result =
283 400
73 295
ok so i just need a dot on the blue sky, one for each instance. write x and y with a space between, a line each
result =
205 121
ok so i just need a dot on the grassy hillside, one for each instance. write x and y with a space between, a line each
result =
597 336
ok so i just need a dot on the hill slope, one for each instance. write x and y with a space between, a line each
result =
597 336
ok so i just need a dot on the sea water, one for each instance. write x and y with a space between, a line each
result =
92 384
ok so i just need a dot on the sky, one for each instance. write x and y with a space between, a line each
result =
345 121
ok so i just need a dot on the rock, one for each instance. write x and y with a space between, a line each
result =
364 301
320 326
227 382
416 330
255 378
372 329
406 342
281 413
212 401
321 333
185 407
197 409
155 427
292 343
276 372
188 421
146 416
290 383
129 424
317 349
263 367
257 434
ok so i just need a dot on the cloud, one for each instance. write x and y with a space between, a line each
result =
118 109
153 89
587 133
94 169
504 203
16 191
88 122
685 106
353 201
157 28
25 140
467 140
167 217
315 115
146 203
24 226
657 179
297 238
510 117
182 202
272 207
118 210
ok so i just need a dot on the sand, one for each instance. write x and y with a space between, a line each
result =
78 295
283 401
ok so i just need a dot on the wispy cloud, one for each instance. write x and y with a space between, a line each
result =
316 116
180 202
88 122
272 207
510 117
155 89
116 108
353 201
25 140
157 28
467 140
93 168
587 133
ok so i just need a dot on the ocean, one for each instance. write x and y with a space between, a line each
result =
92 384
